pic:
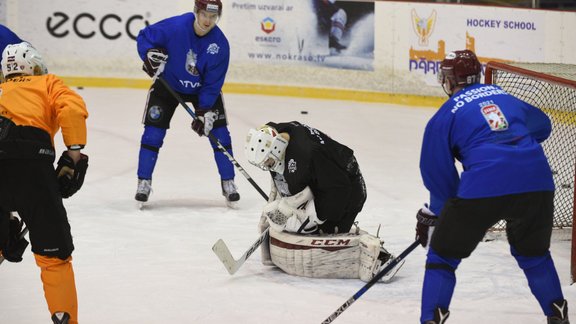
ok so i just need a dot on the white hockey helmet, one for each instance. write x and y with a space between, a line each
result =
265 148
22 58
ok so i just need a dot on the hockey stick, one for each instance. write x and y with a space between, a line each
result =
213 138
24 232
231 264
370 283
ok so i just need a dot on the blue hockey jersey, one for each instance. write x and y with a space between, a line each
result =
7 37
495 136
196 65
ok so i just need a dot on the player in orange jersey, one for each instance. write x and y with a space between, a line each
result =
34 105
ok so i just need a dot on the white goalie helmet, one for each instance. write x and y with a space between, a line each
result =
265 148
22 58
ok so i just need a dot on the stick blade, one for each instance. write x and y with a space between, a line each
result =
223 253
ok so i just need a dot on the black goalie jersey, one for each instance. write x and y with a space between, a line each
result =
330 170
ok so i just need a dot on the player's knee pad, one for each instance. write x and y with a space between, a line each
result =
529 262
436 261
223 135
153 137
339 19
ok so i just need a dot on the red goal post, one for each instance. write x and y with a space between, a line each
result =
552 88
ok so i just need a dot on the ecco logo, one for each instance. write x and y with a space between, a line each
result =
85 25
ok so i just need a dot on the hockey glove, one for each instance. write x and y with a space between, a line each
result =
5 125
204 122
301 220
71 175
425 225
155 59
295 214
16 244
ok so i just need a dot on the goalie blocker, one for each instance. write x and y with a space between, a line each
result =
355 255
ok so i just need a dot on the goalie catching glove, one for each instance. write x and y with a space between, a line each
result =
71 175
295 214
204 122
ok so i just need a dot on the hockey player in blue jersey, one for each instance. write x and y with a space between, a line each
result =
506 176
194 55
7 37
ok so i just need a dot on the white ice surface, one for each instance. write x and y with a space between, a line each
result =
156 265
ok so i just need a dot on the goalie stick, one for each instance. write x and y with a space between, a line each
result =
231 264
24 232
370 283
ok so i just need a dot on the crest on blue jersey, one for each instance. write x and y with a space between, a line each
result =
155 113
494 117
191 61
292 166
213 49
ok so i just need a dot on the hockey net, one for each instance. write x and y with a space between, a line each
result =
552 88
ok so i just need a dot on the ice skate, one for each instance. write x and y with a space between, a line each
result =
440 316
143 191
385 258
230 192
335 46
560 316
60 318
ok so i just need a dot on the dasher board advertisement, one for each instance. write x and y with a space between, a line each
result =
494 34
338 34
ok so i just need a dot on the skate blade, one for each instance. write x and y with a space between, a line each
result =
141 205
388 277
232 204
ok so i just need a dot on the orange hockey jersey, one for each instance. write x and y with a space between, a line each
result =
45 102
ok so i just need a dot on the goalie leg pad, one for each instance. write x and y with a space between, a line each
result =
369 251
315 256
265 247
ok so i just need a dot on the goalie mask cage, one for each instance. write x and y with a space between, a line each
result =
552 88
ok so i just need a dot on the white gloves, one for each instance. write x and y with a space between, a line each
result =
209 119
204 122
295 214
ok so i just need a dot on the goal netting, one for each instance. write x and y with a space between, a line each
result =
552 88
